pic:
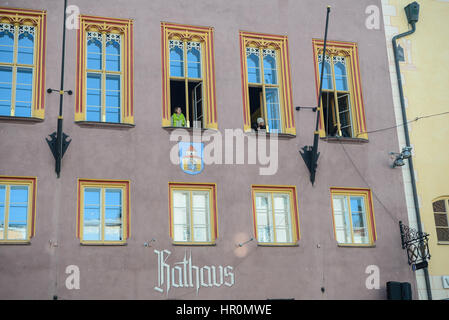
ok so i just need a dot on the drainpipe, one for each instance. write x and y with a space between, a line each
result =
407 142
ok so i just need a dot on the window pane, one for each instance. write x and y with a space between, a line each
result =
282 218
176 62
273 110
113 197
340 76
194 63
112 98
113 56
24 90
264 218
341 217
252 62
5 90
327 75
113 224
25 48
201 225
93 97
359 220
269 69
181 216
92 197
18 213
6 46
438 206
94 54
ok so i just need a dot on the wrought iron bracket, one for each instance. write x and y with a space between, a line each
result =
417 245
310 157
58 144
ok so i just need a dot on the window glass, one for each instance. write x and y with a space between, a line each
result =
24 90
94 60
18 213
273 109
113 56
176 62
6 46
253 67
5 90
113 215
194 60
25 48
269 68
92 214
93 97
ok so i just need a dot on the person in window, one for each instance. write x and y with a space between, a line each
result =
178 119
260 125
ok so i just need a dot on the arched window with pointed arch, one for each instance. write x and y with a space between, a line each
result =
22 63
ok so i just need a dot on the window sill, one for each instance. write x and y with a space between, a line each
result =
17 242
113 244
268 134
109 125
30 120
443 243
356 245
206 244
345 140
188 129
261 244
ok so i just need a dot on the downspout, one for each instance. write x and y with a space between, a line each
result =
407 142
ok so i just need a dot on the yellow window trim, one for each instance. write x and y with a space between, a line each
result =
211 188
369 208
280 189
103 184
349 50
104 26
280 45
204 35
31 182
38 19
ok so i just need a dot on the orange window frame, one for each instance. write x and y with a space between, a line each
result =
204 35
291 190
38 19
124 27
371 221
126 212
350 51
280 44
31 182
212 189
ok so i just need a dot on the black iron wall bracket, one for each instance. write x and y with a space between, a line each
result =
58 141
417 245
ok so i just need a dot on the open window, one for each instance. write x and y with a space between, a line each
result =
188 77
266 83
341 101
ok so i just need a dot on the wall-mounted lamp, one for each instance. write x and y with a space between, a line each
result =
400 157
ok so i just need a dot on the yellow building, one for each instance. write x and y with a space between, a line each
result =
425 79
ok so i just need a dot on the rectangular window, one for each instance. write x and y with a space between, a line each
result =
353 216
105 67
22 50
188 77
440 210
193 213
266 83
275 215
103 211
341 101
17 209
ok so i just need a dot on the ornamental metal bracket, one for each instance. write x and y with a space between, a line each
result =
417 245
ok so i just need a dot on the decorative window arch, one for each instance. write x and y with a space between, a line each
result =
188 75
104 87
266 82
343 112
22 63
